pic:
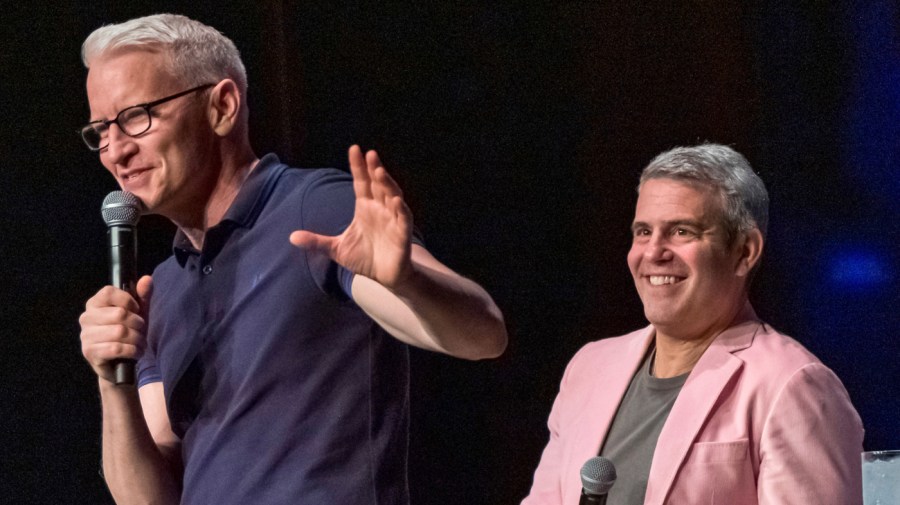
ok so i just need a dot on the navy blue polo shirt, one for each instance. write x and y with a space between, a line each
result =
281 388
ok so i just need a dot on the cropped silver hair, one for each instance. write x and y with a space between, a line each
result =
199 54
743 193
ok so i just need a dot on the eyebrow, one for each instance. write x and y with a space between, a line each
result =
669 224
120 111
158 101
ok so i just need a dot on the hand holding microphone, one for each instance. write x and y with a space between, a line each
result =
121 211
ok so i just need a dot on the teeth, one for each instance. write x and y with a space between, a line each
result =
659 280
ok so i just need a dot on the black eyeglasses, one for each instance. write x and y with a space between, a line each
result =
133 121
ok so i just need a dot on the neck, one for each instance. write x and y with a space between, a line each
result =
231 177
677 357
677 353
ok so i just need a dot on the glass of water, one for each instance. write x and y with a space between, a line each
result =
881 477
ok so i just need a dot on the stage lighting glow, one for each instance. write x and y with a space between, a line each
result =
858 269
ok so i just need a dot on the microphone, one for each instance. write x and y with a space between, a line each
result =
597 477
121 211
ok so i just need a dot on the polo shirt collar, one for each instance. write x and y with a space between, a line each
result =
249 202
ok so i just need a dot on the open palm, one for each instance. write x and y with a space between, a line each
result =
376 244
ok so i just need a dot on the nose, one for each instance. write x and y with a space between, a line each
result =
120 146
657 248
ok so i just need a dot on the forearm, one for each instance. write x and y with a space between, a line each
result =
455 313
436 309
135 469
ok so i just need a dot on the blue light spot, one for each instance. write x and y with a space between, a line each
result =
858 269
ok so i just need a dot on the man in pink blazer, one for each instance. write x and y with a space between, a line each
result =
708 405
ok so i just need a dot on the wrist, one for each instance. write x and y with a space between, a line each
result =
408 281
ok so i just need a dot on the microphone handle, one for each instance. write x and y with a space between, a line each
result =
592 499
123 275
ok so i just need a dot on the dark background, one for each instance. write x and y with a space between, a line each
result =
517 132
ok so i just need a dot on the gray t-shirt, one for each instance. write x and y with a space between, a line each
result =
632 438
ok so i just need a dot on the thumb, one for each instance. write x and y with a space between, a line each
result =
144 289
312 241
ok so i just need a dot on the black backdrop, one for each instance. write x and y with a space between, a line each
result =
517 132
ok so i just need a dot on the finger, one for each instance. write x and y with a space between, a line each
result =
386 186
361 179
373 160
402 215
110 316
313 241
117 333
104 353
401 210
144 289
376 169
110 296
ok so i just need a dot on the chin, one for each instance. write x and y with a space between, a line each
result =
146 203
661 317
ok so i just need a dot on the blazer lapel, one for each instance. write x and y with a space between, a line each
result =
709 377
602 403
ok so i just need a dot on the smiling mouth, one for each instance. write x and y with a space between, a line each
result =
663 280
133 175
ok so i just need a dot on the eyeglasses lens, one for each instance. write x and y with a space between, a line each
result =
132 121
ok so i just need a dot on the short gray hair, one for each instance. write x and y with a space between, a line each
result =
744 196
199 54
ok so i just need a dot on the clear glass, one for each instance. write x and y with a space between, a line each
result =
881 477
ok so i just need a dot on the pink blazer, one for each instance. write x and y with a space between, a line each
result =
759 420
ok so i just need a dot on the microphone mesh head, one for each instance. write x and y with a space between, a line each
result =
121 208
598 475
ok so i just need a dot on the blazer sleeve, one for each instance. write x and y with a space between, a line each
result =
547 486
811 443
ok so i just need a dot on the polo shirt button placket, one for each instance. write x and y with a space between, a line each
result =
207 269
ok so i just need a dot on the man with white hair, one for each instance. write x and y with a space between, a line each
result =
263 374
707 405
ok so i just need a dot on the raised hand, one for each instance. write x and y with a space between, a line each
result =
376 244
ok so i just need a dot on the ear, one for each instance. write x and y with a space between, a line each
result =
224 107
750 249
